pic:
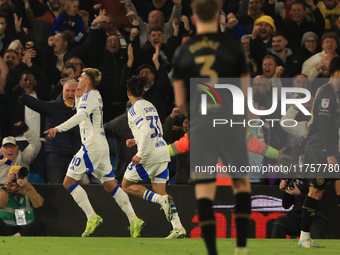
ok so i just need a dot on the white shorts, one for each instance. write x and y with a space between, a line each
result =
96 163
157 172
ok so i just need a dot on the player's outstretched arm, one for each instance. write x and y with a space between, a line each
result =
52 132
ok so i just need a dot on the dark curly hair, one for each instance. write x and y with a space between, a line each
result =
136 86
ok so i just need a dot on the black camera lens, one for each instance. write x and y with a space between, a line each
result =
22 174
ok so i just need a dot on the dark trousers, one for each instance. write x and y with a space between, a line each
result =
57 167
32 229
291 225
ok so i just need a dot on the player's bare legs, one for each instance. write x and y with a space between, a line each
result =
140 191
133 188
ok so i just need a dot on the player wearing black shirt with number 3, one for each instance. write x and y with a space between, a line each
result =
322 148
212 55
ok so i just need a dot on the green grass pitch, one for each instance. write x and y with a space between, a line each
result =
151 246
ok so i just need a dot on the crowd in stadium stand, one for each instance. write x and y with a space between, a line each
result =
44 45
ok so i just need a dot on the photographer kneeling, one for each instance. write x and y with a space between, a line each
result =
294 193
16 199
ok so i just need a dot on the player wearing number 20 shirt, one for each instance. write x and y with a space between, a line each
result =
147 130
94 154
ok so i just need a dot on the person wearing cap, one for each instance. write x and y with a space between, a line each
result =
11 155
17 197
250 12
310 45
29 79
264 26
261 39
297 25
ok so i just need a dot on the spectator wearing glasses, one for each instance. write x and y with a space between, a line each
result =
310 45
159 91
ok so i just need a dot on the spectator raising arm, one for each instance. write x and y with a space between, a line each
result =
3 76
33 148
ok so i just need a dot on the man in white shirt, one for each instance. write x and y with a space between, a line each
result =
152 158
93 157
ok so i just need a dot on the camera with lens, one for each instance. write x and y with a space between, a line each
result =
297 181
21 174
290 184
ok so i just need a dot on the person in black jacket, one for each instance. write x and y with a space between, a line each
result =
261 39
5 34
294 193
35 83
284 56
110 63
59 151
174 128
61 48
118 128
310 45
145 54
27 78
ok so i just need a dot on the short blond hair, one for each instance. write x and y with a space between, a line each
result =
95 76
66 6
